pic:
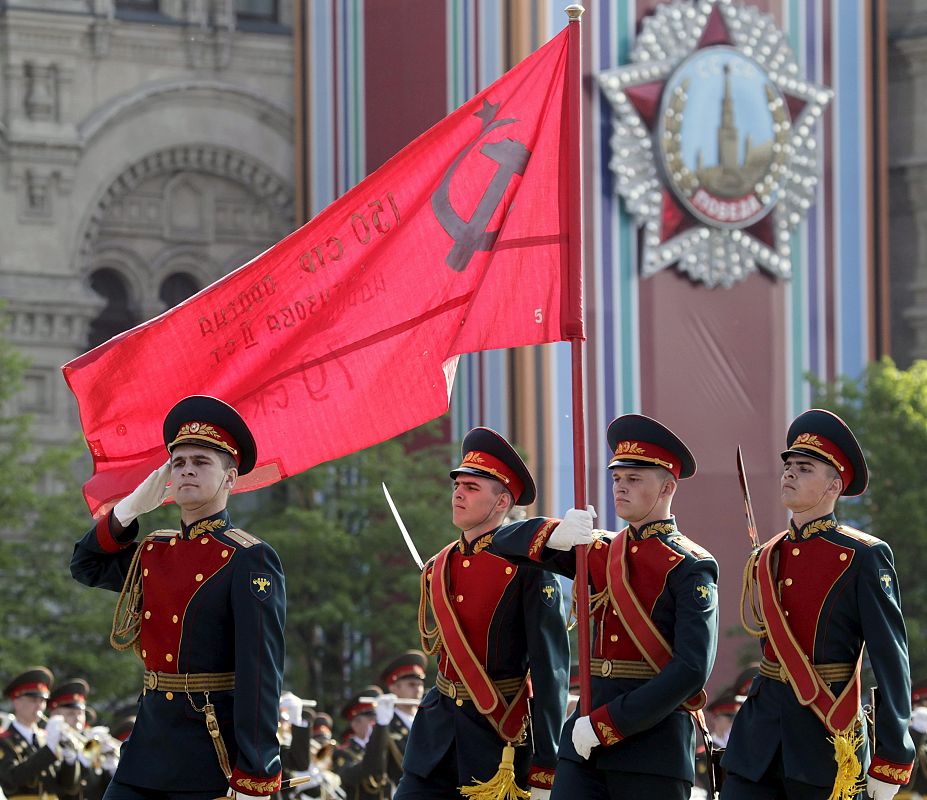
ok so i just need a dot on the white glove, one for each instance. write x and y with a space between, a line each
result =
386 707
539 794
54 729
68 753
149 494
575 529
880 790
584 738
919 720
292 706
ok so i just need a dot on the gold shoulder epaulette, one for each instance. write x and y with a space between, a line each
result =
605 536
165 534
690 547
243 538
859 536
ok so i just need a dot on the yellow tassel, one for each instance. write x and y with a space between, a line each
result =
502 785
847 784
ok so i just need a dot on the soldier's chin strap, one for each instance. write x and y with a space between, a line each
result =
212 499
485 519
649 510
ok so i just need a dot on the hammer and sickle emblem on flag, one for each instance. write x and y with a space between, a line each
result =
261 586
471 235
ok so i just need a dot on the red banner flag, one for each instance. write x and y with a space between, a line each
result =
347 332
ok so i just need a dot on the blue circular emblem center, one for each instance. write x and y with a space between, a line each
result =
723 137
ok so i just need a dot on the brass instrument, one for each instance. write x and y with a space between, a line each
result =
94 745
400 701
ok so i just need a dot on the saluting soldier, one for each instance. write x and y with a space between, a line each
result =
403 677
361 761
487 721
204 608
653 600
35 762
821 590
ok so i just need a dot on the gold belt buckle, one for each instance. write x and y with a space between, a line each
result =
783 674
606 667
151 681
451 689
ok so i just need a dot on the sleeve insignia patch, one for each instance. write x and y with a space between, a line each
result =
706 595
887 582
549 593
261 585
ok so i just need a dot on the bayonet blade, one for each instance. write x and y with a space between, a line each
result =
402 529
748 505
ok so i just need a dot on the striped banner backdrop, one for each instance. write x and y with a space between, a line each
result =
722 367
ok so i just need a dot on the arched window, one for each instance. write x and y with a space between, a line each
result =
176 288
117 316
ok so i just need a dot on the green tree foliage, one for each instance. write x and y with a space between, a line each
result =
887 409
352 587
48 618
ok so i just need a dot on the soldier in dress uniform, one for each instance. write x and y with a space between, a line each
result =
34 762
403 677
204 608
653 599
492 623
820 591
294 732
361 761
69 699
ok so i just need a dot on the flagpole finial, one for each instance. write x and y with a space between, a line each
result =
574 11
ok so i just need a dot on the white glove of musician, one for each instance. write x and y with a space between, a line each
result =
575 529
54 729
539 794
292 706
919 720
880 790
148 495
386 707
584 738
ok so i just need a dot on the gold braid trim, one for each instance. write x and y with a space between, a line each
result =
127 617
430 637
596 601
847 783
748 594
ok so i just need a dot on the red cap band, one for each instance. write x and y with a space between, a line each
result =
29 688
826 449
491 465
208 434
647 453
404 671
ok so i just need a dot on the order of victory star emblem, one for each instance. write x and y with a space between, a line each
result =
713 144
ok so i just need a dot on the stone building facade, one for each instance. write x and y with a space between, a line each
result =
146 149
907 78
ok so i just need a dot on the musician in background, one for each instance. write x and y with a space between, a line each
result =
69 700
403 677
294 735
35 761
361 761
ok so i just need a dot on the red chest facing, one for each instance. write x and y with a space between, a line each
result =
805 576
173 571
